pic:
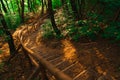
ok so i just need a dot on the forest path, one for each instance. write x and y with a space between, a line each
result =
81 61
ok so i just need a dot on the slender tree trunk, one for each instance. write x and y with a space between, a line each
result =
32 5
18 7
22 8
57 31
9 36
42 10
74 9
28 1
4 8
83 9
7 6
63 2
46 4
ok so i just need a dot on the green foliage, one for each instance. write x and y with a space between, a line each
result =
72 32
112 31
47 31
56 4
12 21
111 3
86 28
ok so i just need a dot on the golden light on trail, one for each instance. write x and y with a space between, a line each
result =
100 55
69 51
5 52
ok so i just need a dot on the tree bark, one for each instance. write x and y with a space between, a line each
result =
74 9
29 7
4 8
22 13
82 9
51 14
9 36
7 6
18 7
42 10
63 2
46 4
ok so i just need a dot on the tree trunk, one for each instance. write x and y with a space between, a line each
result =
18 7
42 10
74 9
29 7
22 13
51 14
9 36
82 9
63 2
46 5
4 8
7 6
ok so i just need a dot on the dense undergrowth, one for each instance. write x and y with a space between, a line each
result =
94 25
91 28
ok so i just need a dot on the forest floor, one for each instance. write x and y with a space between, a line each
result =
101 55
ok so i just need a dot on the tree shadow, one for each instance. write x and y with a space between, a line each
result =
101 56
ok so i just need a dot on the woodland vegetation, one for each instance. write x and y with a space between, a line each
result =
74 20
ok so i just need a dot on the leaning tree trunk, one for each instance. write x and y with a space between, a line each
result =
57 31
3 6
9 36
7 6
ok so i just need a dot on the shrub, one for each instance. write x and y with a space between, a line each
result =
47 30
56 3
13 21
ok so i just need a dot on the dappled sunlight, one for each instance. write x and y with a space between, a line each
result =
99 69
69 51
100 55
38 37
5 52
26 42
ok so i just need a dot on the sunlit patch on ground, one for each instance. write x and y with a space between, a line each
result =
69 51
100 55
4 52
